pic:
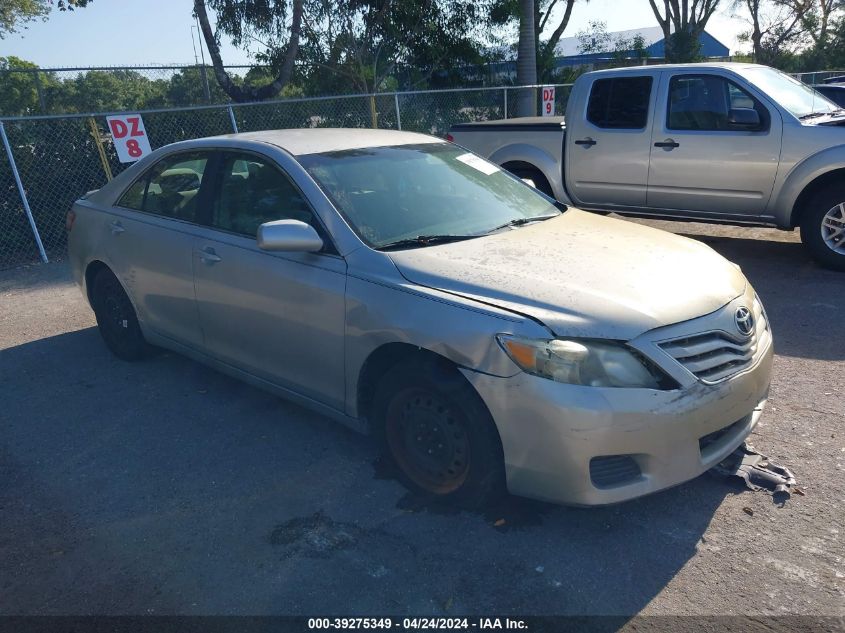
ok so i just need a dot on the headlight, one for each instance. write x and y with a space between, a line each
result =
584 362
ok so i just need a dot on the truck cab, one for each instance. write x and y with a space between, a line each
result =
727 142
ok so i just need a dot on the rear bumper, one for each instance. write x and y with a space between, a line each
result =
550 433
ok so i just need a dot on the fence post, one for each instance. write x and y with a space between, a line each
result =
505 91
373 112
398 116
205 87
22 193
232 119
98 141
40 90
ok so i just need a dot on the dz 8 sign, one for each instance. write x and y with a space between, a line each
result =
130 137
548 101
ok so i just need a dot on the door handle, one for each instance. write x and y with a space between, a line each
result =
588 142
117 228
208 256
667 144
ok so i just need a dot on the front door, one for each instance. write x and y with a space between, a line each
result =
279 316
701 160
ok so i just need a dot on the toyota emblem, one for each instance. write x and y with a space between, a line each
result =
744 321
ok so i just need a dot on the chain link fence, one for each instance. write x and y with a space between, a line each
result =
59 158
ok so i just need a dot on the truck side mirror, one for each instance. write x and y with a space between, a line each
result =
744 119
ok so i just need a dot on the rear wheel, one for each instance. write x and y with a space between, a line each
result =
823 227
535 178
116 318
438 432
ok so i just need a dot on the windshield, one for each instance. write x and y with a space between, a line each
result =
389 194
800 99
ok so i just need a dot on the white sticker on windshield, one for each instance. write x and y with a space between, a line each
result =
478 163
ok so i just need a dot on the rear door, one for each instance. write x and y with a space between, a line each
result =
279 316
703 163
150 243
608 141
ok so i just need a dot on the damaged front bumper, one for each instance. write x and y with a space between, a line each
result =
591 446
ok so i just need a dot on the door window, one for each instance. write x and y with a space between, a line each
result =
703 102
620 103
171 188
251 192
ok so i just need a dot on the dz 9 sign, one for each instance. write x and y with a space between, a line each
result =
130 137
548 101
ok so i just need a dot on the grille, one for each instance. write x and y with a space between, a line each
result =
715 356
712 438
613 470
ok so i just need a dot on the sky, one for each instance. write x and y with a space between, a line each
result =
138 32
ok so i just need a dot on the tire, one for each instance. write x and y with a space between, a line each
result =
116 318
536 179
437 431
825 212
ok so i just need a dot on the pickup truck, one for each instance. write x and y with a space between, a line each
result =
727 142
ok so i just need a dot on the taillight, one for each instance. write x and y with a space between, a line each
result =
450 138
69 220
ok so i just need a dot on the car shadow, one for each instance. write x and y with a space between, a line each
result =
802 299
171 488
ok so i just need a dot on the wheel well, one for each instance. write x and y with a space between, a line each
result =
381 361
822 182
93 268
515 166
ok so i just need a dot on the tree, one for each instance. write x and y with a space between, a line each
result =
682 22
506 12
596 39
372 45
526 60
16 14
273 23
776 26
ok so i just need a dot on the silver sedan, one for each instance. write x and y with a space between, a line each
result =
488 337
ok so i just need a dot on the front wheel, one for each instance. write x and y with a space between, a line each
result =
439 433
823 228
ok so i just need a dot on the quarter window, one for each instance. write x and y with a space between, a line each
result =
170 189
252 192
620 103
704 102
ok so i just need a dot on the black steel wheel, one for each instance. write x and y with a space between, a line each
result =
116 318
439 433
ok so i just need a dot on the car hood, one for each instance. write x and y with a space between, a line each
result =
582 274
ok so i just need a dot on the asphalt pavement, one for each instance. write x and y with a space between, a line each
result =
164 487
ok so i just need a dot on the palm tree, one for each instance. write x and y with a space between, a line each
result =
526 60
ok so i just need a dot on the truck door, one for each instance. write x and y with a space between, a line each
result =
608 141
715 147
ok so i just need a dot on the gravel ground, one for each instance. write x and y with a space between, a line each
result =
166 488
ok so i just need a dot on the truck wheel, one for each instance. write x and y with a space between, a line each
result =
439 433
116 318
535 178
823 227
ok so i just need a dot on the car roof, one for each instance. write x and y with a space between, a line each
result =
698 65
300 142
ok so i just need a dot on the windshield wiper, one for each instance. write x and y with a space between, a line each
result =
522 222
424 240
815 115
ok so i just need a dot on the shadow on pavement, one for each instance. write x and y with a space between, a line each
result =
165 487
803 300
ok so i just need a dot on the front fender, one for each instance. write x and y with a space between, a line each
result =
799 177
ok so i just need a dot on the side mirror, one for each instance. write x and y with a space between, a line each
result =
744 118
288 235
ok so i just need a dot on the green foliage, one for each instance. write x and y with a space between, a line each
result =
16 14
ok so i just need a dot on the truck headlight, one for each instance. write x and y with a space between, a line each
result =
585 362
